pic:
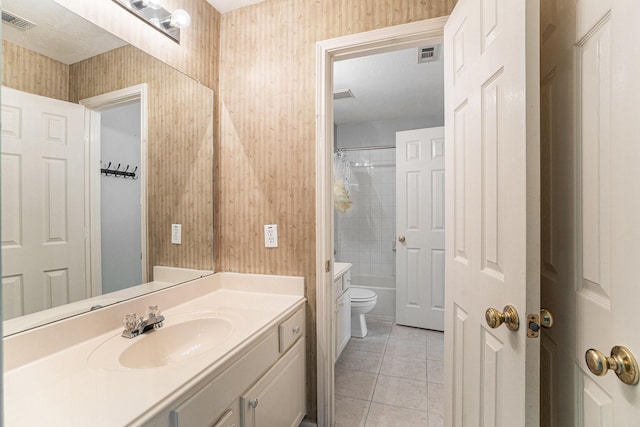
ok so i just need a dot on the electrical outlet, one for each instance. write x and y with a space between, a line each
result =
176 234
271 236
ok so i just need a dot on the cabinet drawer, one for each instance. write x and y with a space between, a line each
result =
291 329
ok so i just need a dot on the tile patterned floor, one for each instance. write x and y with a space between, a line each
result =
391 378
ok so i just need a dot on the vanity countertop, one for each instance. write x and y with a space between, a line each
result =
61 387
339 268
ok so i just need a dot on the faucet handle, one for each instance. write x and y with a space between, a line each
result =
130 321
153 311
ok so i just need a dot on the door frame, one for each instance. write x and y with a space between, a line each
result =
383 40
95 105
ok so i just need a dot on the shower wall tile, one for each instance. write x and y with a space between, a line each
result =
365 235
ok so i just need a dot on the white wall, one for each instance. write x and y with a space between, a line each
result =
120 199
380 132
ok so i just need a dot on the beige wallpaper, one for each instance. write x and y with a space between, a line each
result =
28 71
198 51
179 152
265 158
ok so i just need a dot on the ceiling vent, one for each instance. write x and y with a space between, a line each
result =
342 94
428 53
16 22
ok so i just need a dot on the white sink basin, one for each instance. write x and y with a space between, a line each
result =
181 337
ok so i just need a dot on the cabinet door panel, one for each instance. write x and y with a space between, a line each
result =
278 398
343 322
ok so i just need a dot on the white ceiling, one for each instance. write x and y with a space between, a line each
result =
223 6
389 86
59 34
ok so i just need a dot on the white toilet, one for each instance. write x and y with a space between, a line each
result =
362 301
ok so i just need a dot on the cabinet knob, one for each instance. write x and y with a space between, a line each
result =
296 330
253 403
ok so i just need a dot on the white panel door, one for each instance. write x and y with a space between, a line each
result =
43 257
420 228
607 292
492 158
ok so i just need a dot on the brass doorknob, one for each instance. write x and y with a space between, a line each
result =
622 362
401 239
509 316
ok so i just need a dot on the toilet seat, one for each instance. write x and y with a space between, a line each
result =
362 295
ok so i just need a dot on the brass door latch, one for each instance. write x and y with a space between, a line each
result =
535 322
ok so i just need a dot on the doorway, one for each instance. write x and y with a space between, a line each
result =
388 171
117 123
384 40
120 201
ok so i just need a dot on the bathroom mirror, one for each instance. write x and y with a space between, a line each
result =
106 200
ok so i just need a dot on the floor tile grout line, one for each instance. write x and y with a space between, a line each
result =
385 352
366 418
404 407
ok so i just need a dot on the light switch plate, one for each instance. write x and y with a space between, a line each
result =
271 236
176 234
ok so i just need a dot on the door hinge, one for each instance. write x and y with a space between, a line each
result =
533 326
327 266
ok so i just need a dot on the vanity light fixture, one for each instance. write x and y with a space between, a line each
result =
153 13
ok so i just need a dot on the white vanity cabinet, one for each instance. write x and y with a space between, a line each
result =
263 386
182 375
342 306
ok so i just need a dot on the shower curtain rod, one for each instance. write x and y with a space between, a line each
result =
385 147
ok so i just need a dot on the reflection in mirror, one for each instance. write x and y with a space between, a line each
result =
103 148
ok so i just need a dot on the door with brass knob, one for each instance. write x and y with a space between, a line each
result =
508 316
492 196
621 361
420 233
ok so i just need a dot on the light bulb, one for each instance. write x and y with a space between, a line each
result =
180 19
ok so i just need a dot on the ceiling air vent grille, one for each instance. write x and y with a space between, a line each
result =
16 22
428 54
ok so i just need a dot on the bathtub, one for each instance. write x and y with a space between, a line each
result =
385 287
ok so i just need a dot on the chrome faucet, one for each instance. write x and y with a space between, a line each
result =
134 325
